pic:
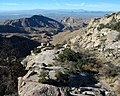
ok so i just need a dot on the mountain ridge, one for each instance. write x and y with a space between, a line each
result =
35 24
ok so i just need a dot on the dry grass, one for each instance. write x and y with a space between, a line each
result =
108 80
65 36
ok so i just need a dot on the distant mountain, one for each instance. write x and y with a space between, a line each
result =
35 21
34 24
36 11
72 23
56 13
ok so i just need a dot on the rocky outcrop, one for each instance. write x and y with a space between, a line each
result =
102 38
37 89
102 34
80 83
70 20
29 84
44 63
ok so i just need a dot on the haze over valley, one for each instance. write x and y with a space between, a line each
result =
55 14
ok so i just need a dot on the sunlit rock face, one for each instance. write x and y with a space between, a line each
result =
102 34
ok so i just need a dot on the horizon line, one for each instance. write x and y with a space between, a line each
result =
63 9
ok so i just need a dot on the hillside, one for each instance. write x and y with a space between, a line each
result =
12 50
66 36
85 62
102 35
10 29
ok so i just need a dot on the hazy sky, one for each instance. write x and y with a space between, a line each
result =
95 5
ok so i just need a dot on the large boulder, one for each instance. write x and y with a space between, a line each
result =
37 89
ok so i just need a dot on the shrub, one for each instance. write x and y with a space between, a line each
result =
43 77
68 55
62 79
118 90
49 65
76 62
101 26
58 74
108 16
58 46
115 26
51 46
118 37
37 50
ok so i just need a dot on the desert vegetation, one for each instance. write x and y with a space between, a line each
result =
73 63
115 26
78 61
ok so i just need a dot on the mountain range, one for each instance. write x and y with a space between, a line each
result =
55 14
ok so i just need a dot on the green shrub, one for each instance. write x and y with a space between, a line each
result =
118 37
115 26
118 90
62 78
49 65
43 77
58 46
50 45
68 55
101 26
37 50
59 74
108 16
76 62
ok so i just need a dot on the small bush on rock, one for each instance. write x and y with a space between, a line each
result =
43 77
37 50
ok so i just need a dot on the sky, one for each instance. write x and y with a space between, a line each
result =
91 5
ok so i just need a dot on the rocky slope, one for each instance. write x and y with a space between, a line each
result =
60 71
103 35
36 24
102 38
35 64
